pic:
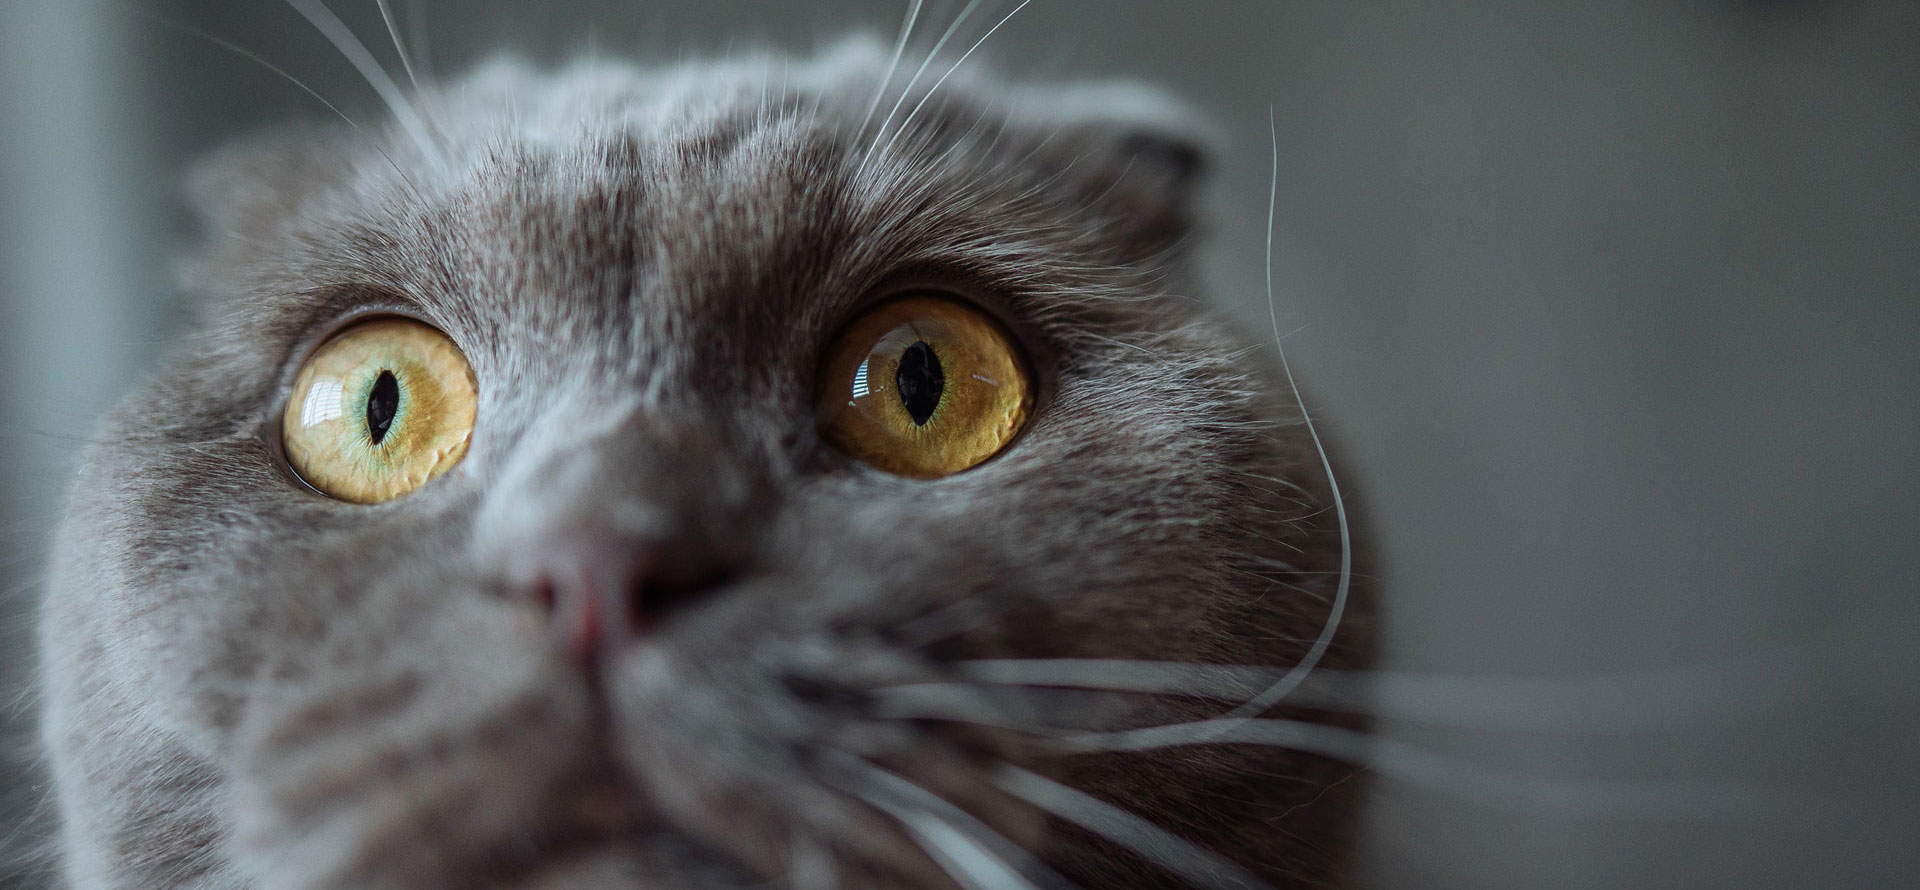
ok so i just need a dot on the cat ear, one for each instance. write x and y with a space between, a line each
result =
1140 125
1135 150
258 182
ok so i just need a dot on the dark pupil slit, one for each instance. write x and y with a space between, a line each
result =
382 403
919 381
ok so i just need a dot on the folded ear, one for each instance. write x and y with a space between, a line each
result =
1136 151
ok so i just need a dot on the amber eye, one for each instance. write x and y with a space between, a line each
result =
378 410
923 387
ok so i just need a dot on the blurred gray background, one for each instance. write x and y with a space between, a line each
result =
1615 306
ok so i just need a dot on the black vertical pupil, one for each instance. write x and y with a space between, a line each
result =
919 381
382 403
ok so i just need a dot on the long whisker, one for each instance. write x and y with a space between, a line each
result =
1628 701
393 30
251 56
1198 866
1216 681
893 65
254 57
960 843
1460 778
966 859
943 78
1393 758
908 89
1293 677
342 38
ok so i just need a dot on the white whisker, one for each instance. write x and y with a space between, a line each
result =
1198 866
1617 702
965 847
1293 677
893 65
251 56
393 30
908 89
1463 779
342 38
905 121
961 856
943 78
1227 682
257 59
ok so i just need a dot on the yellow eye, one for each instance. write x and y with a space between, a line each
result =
923 387
378 410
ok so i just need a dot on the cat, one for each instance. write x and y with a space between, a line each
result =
653 586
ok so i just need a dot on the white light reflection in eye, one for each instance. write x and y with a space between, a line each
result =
860 380
323 402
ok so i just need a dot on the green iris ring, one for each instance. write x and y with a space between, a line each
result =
361 429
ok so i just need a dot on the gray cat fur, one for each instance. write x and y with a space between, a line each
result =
248 685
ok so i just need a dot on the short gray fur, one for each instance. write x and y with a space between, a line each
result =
249 685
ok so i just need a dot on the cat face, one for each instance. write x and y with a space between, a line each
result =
658 620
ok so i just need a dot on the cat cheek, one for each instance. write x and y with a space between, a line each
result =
440 728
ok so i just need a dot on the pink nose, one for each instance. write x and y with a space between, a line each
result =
601 594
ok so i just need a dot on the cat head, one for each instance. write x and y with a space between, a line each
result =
683 565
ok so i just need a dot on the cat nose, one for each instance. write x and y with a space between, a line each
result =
618 518
601 593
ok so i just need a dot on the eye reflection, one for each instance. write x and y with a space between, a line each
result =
923 387
323 401
860 381
378 410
